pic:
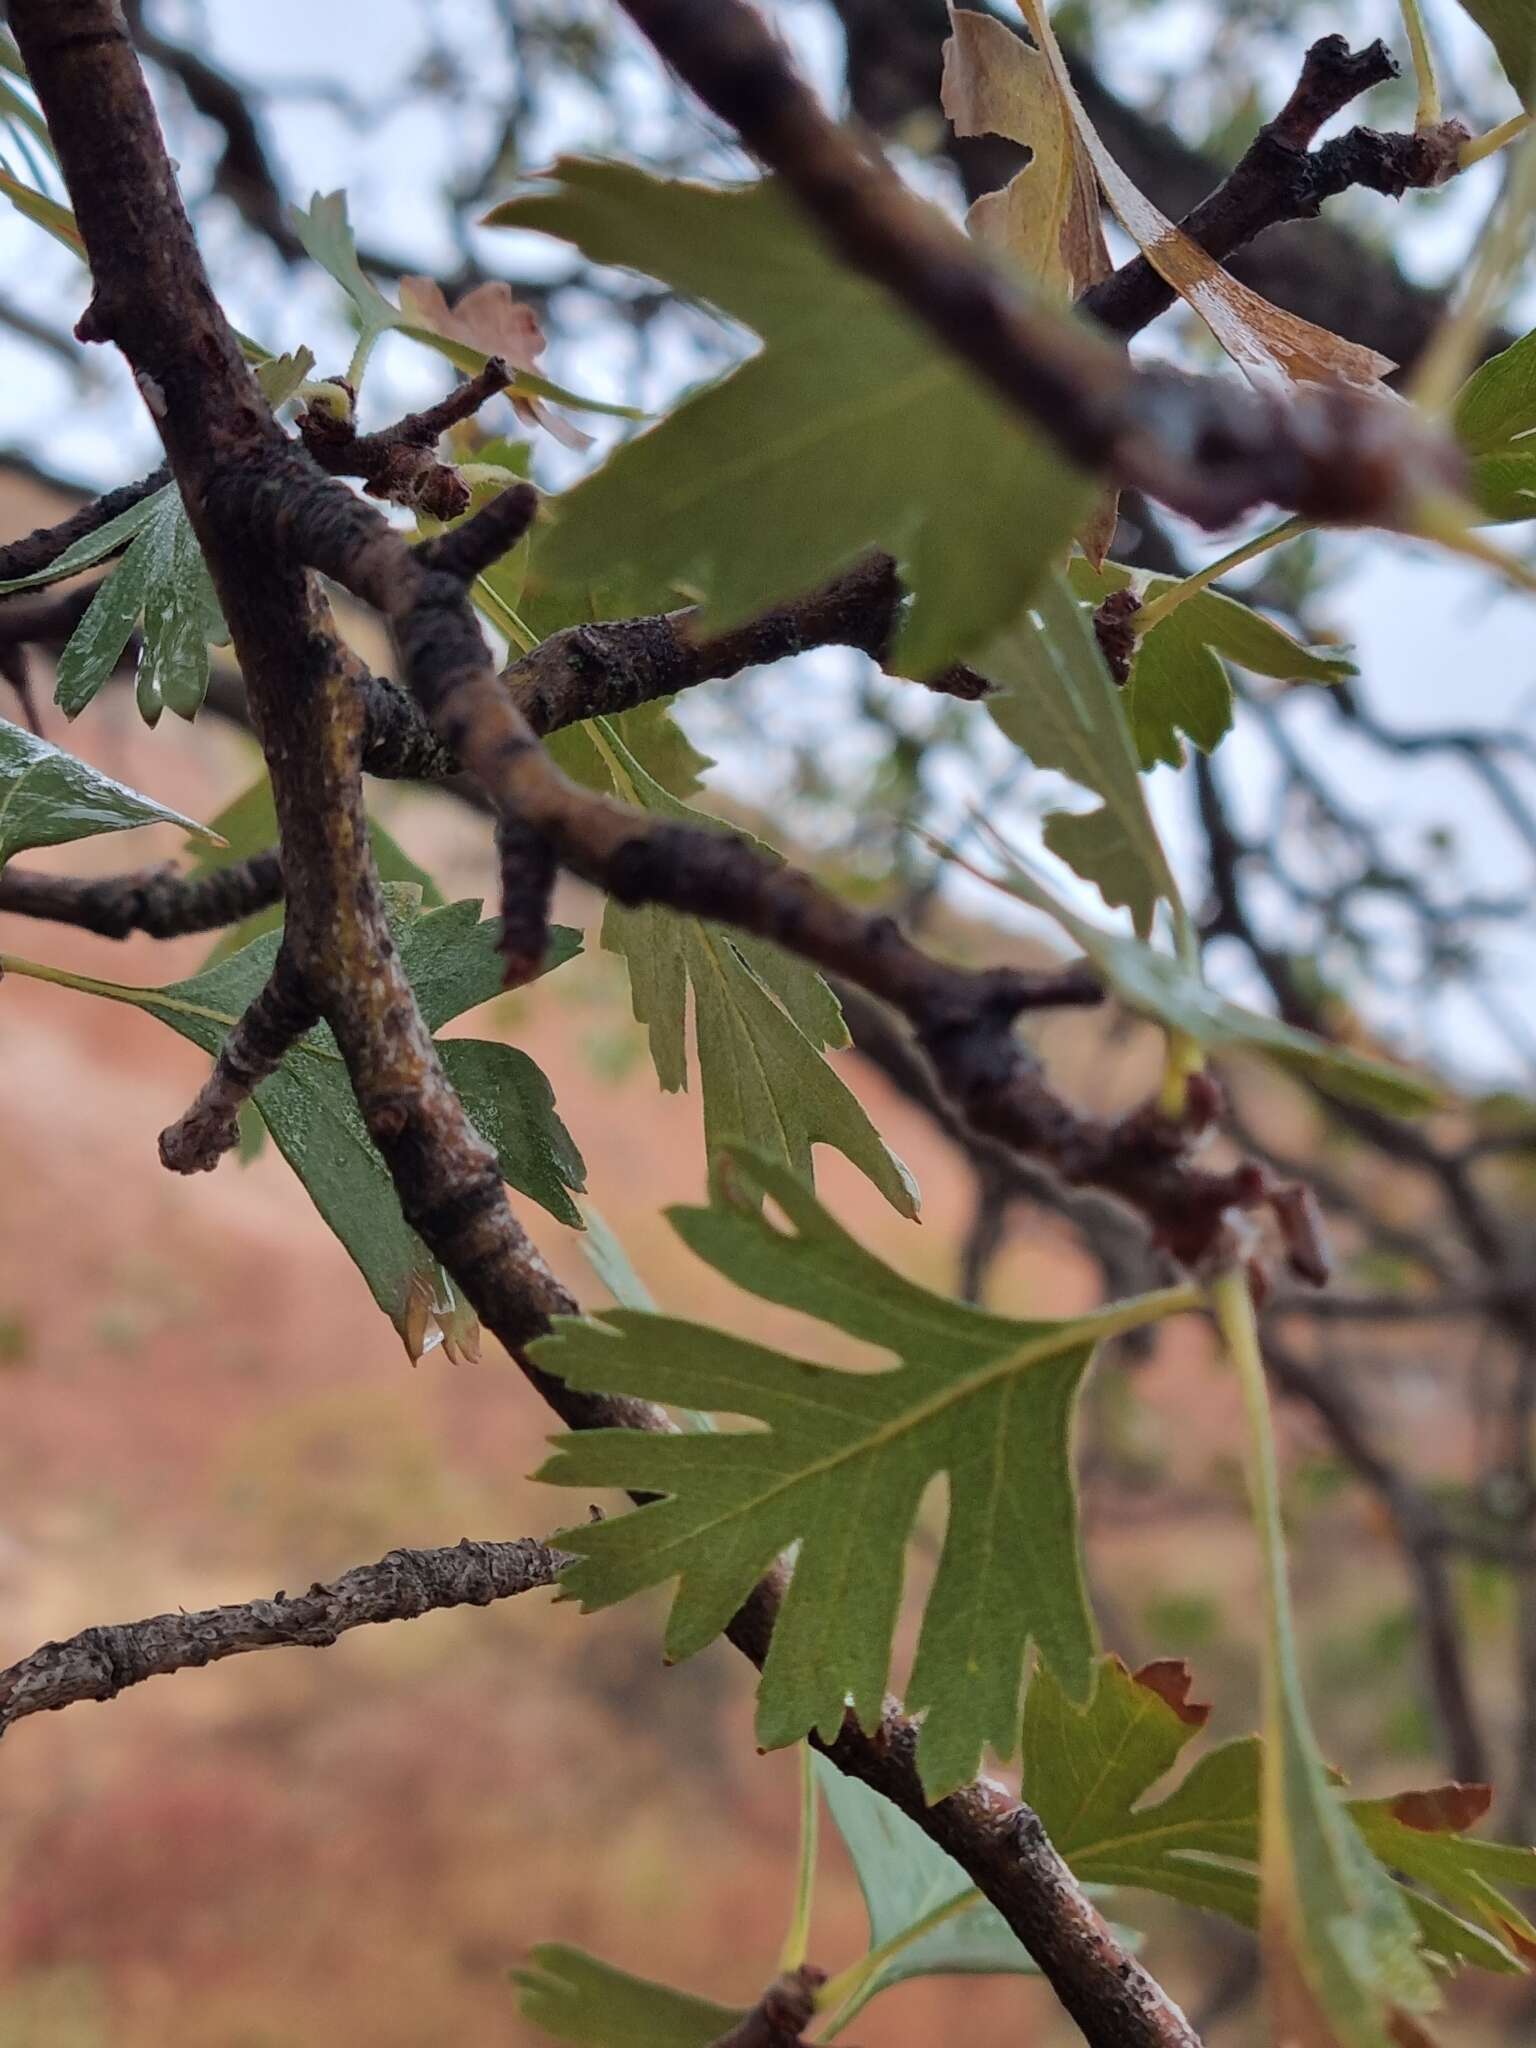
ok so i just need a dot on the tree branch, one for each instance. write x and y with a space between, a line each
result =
154 900
41 548
1281 178
99 1663
779 2017
399 463
236 471
274 1021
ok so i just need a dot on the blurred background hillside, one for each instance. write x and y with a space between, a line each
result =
199 1402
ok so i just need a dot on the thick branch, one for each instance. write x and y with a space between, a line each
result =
276 1020
1280 177
99 1663
155 900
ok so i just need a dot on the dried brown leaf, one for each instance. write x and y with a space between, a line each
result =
1263 340
1047 219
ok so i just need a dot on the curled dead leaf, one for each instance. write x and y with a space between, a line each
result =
1443 1809
1266 342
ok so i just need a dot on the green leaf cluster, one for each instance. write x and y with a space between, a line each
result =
310 1110
161 581
1092 1772
762 1019
851 429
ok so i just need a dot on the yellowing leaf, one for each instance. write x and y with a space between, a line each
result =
1047 218
1262 339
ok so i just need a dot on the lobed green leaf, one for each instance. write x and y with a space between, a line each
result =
851 429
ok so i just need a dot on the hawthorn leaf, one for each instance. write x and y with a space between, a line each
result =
48 797
1178 684
1422 1836
1510 25
1090 1773
95 547
575 1997
281 376
310 1110
1056 701
850 429
1495 422
1087 1771
907 1880
761 1019
840 1469
1161 987
163 580
1262 339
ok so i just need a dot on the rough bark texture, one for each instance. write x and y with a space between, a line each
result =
99 1663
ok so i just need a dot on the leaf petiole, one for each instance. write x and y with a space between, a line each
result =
798 1940
1479 147
839 1992
1428 111
1163 607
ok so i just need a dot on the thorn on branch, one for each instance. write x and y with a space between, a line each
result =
528 870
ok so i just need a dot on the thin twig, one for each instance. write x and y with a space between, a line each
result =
99 1663
154 900
276 1019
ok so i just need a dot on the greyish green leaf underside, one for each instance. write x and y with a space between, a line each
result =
762 1019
